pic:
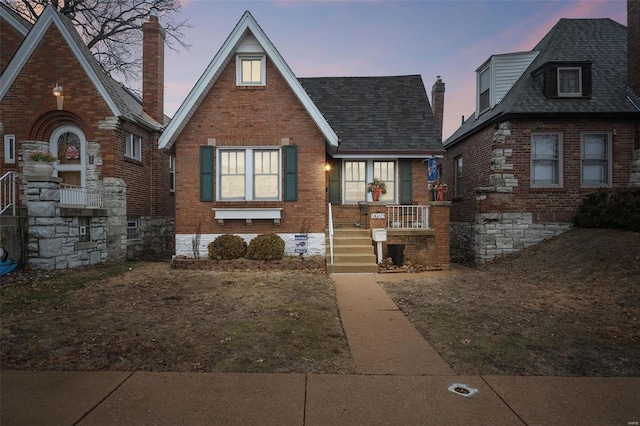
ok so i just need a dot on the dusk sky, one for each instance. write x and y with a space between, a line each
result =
379 38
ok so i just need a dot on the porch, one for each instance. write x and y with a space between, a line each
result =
417 234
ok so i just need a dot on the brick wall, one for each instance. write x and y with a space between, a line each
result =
10 42
251 116
53 62
496 164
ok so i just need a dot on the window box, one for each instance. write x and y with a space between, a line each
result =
249 214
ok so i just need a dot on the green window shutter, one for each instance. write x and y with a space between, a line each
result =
291 173
335 177
406 182
206 173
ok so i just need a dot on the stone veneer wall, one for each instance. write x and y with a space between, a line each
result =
497 234
156 239
54 232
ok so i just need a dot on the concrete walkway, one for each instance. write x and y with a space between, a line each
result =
381 338
401 381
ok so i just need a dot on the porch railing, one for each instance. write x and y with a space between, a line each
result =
8 192
77 196
407 217
331 233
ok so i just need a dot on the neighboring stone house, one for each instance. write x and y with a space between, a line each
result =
550 126
110 196
259 150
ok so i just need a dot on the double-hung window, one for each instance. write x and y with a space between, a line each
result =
357 173
569 81
458 182
546 160
484 90
595 159
133 146
251 174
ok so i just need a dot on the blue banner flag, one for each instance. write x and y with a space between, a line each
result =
433 169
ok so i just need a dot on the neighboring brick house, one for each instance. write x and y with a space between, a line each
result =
551 125
254 145
54 96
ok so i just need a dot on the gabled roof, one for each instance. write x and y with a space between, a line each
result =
18 22
121 102
377 115
246 26
601 42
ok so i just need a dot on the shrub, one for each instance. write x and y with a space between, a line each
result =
227 247
266 247
609 209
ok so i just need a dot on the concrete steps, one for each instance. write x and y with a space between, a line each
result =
352 252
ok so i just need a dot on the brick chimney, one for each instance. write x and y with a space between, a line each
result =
633 45
437 104
153 68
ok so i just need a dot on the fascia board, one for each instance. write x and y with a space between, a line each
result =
14 22
386 156
48 17
207 79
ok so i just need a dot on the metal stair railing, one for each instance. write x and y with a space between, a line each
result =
8 192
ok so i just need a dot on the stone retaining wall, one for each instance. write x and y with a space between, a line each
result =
497 234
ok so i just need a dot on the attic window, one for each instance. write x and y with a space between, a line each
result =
251 70
569 81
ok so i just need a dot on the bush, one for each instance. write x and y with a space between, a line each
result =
227 247
608 209
266 247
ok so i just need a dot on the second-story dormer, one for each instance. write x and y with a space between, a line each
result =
497 76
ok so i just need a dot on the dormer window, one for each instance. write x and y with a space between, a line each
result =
566 80
569 81
484 90
251 70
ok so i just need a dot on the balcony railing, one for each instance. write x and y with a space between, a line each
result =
407 217
77 196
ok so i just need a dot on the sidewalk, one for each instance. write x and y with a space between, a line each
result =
401 380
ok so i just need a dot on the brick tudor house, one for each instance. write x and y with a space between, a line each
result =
551 125
258 151
110 196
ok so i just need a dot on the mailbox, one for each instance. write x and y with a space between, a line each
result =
379 234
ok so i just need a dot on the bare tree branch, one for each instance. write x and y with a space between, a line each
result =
112 29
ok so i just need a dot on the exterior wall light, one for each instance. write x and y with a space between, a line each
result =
327 167
58 93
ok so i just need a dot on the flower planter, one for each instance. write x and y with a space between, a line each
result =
42 169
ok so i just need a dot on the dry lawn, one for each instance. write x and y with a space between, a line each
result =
155 318
567 307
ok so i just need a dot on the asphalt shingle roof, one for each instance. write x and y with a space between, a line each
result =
377 115
602 42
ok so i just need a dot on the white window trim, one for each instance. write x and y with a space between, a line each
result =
10 149
131 140
609 160
368 170
560 161
248 173
172 173
490 104
53 147
263 69
133 224
567 94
